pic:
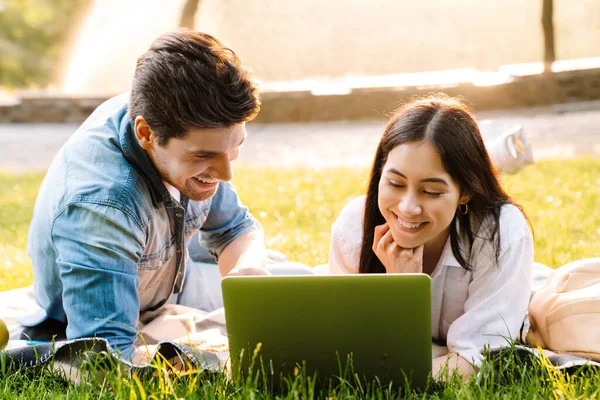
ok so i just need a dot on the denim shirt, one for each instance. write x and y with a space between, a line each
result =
107 240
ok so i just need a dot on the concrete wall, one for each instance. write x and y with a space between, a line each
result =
363 103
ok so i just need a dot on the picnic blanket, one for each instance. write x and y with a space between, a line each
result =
178 336
175 335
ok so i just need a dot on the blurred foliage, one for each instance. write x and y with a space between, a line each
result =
33 37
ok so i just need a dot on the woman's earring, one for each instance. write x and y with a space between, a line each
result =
464 210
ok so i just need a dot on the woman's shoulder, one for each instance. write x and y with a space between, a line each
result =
348 225
354 208
513 222
516 244
512 226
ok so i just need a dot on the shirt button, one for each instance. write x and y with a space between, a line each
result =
178 251
178 215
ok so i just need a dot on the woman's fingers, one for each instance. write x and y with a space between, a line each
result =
394 258
418 252
408 253
380 230
387 240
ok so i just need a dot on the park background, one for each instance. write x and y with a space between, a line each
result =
330 73
84 46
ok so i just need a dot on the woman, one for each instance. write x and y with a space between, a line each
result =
434 205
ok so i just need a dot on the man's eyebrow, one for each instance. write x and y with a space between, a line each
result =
207 153
427 180
203 153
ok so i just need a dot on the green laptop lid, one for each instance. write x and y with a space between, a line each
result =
383 322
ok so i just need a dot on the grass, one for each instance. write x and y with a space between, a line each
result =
296 208
17 196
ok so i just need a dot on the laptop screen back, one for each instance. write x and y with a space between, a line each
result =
383 322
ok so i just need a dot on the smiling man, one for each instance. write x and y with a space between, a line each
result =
141 177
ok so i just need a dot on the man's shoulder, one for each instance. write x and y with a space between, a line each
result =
225 197
76 182
110 112
91 166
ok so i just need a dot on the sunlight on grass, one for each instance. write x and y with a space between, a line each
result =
297 207
562 199
17 196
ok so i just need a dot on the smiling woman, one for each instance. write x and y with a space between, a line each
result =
434 205
419 203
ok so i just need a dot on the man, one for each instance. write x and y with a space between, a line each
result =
144 173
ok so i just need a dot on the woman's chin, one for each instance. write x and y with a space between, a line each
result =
404 242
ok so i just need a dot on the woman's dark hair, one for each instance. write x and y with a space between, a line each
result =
189 80
449 126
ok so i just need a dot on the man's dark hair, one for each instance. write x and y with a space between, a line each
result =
189 80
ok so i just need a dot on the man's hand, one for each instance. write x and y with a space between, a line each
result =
248 271
396 259
245 252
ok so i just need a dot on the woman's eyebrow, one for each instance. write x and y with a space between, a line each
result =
427 180
435 180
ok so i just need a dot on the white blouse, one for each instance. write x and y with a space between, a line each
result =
470 309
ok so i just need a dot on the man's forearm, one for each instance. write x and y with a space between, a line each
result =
246 251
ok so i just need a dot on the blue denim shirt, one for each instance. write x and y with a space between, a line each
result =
107 240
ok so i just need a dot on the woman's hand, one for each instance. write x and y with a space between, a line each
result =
395 259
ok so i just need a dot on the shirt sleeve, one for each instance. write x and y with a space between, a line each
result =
498 297
339 262
98 248
346 239
226 221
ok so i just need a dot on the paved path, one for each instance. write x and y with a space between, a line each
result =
558 131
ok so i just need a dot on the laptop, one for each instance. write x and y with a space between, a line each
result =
317 323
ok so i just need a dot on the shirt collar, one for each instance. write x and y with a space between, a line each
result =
176 194
447 259
139 159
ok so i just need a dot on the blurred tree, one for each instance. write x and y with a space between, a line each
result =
548 27
33 34
188 14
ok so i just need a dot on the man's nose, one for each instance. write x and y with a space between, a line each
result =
222 169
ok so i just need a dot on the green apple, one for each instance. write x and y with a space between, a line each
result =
3 335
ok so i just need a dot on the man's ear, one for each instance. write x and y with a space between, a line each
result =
143 132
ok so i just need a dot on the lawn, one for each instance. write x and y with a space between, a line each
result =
296 208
